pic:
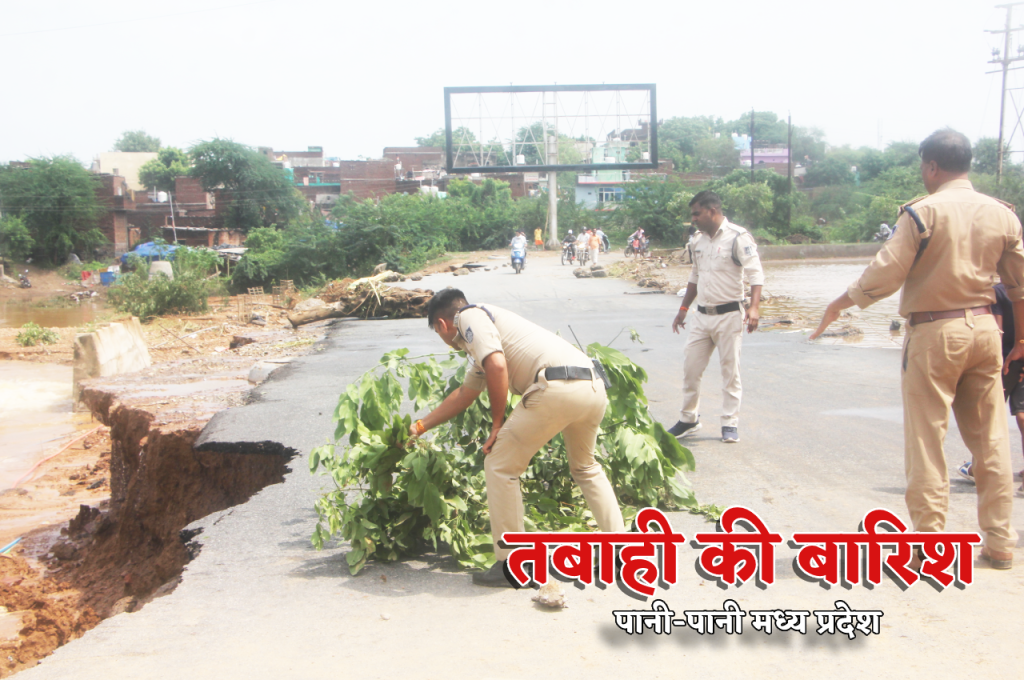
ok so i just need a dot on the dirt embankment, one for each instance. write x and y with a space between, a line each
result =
135 482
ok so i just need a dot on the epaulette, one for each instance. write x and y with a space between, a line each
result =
1012 208
919 198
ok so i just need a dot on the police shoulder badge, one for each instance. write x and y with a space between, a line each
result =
469 334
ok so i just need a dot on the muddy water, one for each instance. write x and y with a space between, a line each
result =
35 415
15 314
805 289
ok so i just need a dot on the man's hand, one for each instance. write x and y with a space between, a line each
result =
1016 354
679 321
753 318
832 313
489 444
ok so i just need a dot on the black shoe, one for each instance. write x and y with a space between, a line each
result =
494 577
681 429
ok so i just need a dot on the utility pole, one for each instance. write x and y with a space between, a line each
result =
789 173
1005 60
751 146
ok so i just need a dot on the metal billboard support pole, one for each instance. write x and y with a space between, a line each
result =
551 144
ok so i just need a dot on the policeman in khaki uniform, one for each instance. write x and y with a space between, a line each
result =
722 254
946 252
560 391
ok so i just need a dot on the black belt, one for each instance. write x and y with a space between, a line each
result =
567 373
720 309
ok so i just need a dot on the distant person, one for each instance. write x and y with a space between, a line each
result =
538 237
604 239
949 247
519 240
722 253
594 243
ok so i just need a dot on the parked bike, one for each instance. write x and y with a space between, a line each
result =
23 278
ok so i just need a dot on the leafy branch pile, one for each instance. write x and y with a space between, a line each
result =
392 498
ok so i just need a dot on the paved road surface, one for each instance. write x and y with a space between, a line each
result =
821 445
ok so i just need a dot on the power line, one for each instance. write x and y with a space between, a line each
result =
1005 59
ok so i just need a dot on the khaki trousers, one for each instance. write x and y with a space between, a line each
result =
574 408
708 331
957 363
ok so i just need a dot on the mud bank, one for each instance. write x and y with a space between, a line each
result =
121 552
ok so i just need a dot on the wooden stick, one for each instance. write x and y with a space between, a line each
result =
177 338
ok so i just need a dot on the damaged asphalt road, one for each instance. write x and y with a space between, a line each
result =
821 445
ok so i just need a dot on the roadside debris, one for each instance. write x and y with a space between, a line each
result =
551 595
363 298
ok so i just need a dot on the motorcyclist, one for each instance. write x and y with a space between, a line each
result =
519 243
570 241
23 278
639 235
884 232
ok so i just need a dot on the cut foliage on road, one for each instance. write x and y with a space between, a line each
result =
393 499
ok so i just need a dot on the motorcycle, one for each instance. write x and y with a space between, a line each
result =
23 278
518 258
636 247
568 253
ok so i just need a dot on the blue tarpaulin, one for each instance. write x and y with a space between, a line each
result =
151 251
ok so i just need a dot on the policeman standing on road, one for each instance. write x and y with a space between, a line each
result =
722 253
561 392
946 251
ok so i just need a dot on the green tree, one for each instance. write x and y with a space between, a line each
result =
15 240
136 140
259 194
986 156
56 199
716 155
436 138
678 139
829 172
649 204
768 128
161 172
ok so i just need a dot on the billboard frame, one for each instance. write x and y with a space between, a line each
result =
581 167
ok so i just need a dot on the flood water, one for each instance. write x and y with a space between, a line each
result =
35 415
15 314
806 289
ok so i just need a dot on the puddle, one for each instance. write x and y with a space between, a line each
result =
15 314
810 287
35 415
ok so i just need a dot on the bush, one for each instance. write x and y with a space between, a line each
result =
15 240
32 334
144 296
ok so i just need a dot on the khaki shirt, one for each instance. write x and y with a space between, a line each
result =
527 347
973 239
714 272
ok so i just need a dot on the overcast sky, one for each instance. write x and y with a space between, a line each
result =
355 77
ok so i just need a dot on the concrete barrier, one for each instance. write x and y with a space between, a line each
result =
811 251
113 350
